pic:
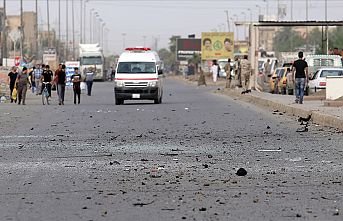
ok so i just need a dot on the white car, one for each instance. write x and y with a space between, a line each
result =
318 80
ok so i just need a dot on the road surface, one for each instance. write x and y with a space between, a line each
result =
173 161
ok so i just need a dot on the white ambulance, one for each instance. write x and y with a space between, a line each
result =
138 76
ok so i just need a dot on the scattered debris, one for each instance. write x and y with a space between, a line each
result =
302 129
143 204
241 172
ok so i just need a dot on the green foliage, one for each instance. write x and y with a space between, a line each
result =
287 40
336 38
172 43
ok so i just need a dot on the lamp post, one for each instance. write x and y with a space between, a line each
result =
4 35
84 20
245 20
73 27
95 16
227 20
67 36
327 27
48 19
259 11
90 24
36 31
21 29
123 34
267 8
81 20
236 17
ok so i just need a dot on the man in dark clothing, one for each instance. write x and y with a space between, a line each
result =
76 79
12 78
61 84
300 77
47 77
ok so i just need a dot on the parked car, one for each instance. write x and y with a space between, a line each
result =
318 81
282 84
290 84
277 74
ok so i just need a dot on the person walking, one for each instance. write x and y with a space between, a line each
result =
32 79
237 69
300 77
61 84
22 82
245 72
214 70
46 76
267 69
228 70
76 79
89 80
12 77
37 76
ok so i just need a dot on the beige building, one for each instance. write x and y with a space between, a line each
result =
13 23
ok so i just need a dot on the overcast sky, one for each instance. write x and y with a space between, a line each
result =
131 21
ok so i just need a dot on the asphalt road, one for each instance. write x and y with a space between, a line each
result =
173 161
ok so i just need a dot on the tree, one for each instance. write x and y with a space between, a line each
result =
336 38
287 40
172 43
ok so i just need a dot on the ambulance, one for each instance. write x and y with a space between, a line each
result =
138 76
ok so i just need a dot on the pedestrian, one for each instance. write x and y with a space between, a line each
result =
32 79
267 69
76 79
22 82
89 80
245 72
237 69
37 77
214 70
113 73
47 76
61 84
202 79
12 77
228 70
300 77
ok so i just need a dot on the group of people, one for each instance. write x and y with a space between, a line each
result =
41 76
242 72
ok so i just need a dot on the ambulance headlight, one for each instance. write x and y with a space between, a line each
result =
119 84
152 84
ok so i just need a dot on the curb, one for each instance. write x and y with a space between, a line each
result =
317 116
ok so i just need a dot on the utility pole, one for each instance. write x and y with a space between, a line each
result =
84 21
67 37
36 31
306 26
227 20
90 24
327 27
4 36
73 27
59 29
48 18
21 30
81 20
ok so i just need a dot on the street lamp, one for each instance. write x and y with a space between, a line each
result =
227 20
90 24
236 17
84 20
259 11
123 34
249 9
267 8
245 20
